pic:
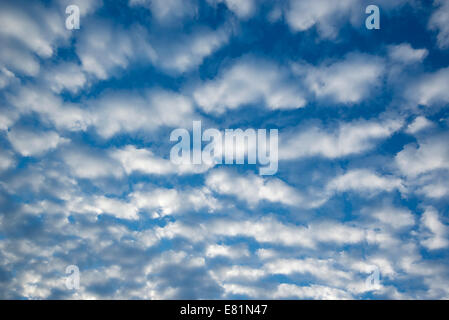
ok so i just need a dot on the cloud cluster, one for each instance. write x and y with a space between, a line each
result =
86 180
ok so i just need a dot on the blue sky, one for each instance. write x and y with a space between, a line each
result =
85 171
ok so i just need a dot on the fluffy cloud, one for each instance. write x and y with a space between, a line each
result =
431 154
404 53
318 292
34 26
161 202
109 114
144 161
249 81
85 163
435 235
363 180
431 88
396 218
252 188
420 123
103 49
34 143
7 117
6 77
51 108
302 15
138 226
29 32
347 81
321 269
246 83
232 252
18 61
6 160
438 22
269 230
346 139
65 76
237 273
432 185
147 200
328 16
184 53
88 164
129 112
117 208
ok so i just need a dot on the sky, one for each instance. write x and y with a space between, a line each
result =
361 191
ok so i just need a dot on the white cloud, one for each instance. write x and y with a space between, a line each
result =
434 187
34 26
363 180
153 201
238 289
249 81
7 117
104 48
347 81
129 112
91 165
396 218
232 252
145 161
438 21
420 123
34 143
6 160
321 269
336 233
67 76
132 269
431 88
252 188
431 154
6 77
270 230
160 202
183 53
325 14
142 160
50 107
110 114
116 207
286 290
404 53
171 257
347 139
328 16
18 60
236 272
437 239
129 160
29 31
264 254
